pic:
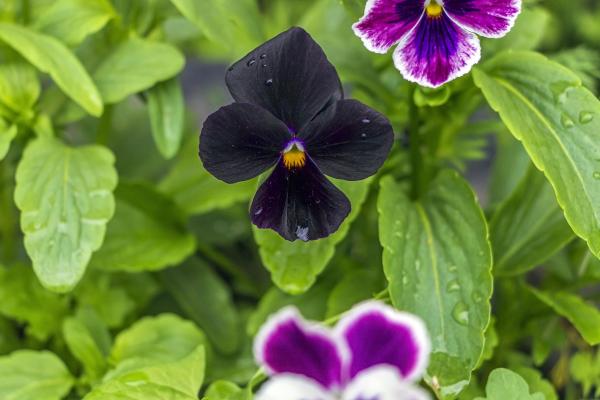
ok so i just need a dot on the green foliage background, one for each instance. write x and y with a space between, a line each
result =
127 271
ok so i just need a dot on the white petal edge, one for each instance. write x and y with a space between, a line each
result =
416 325
465 69
383 383
292 387
518 4
287 314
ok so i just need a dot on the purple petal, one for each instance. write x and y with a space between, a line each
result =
377 334
436 51
490 18
292 387
288 344
382 383
299 203
386 21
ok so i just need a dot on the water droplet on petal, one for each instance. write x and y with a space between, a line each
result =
363 135
251 62
366 121
596 175
566 121
460 313
585 117
264 65
263 56
453 286
269 82
259 211
302 233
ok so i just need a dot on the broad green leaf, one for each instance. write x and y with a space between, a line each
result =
19 86
223 390
65 197
529 227
52 57
585 369
166 107
7 134
134 66
583 315
23 299
544 106
32 375
146 233
71 21
206 299
503 181
536 382
178 380
294 266
437 258
358 285
198 192
89 341
504 384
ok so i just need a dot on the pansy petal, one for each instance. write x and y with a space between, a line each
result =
490 18
299 203
240 141
289 344
377 334
350 141
383 383
386 21
289 75
436 51
292 387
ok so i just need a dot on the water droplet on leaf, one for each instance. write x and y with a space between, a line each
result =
596 175
460 313
453 286
585 117
566 121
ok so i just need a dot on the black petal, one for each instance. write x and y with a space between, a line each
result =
289 76
299 204
349 141
241 141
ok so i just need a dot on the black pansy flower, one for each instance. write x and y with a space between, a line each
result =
290 113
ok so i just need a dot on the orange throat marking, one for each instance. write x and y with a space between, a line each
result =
294 157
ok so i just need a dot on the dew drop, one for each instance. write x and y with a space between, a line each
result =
263 56
302 233
596 175
585 117
405 280
366 121
453 268
566 121
269 82
259 211
560 90
251 62
453 286
264 65
460 313
477 297
363 135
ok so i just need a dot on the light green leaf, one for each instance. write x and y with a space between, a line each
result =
352 288
146 233
504 384
294 266
89 341
585 369
7 134
223 390
23 299
437 258
65 197
71 21
206 299
528 227
584 316
536 382
544 105
136 65
166 107
52 57
32 375
19 86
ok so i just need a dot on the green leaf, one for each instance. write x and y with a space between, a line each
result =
198 192
294 266
52 57
7 134
352 288
529 227
166 107
32 375
437 258
585 369
179 380
71 21
504 384
65 197
223 390
536 382
23 299
544 105
146 233
584 316
134 66
89 341
206 299
9 336
19 86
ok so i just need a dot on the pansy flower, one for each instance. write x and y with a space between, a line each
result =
436 39
289 113
374 353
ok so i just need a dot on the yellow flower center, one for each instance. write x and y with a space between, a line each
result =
434 10
294 156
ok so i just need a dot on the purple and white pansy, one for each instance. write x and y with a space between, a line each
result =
436 39
374 353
